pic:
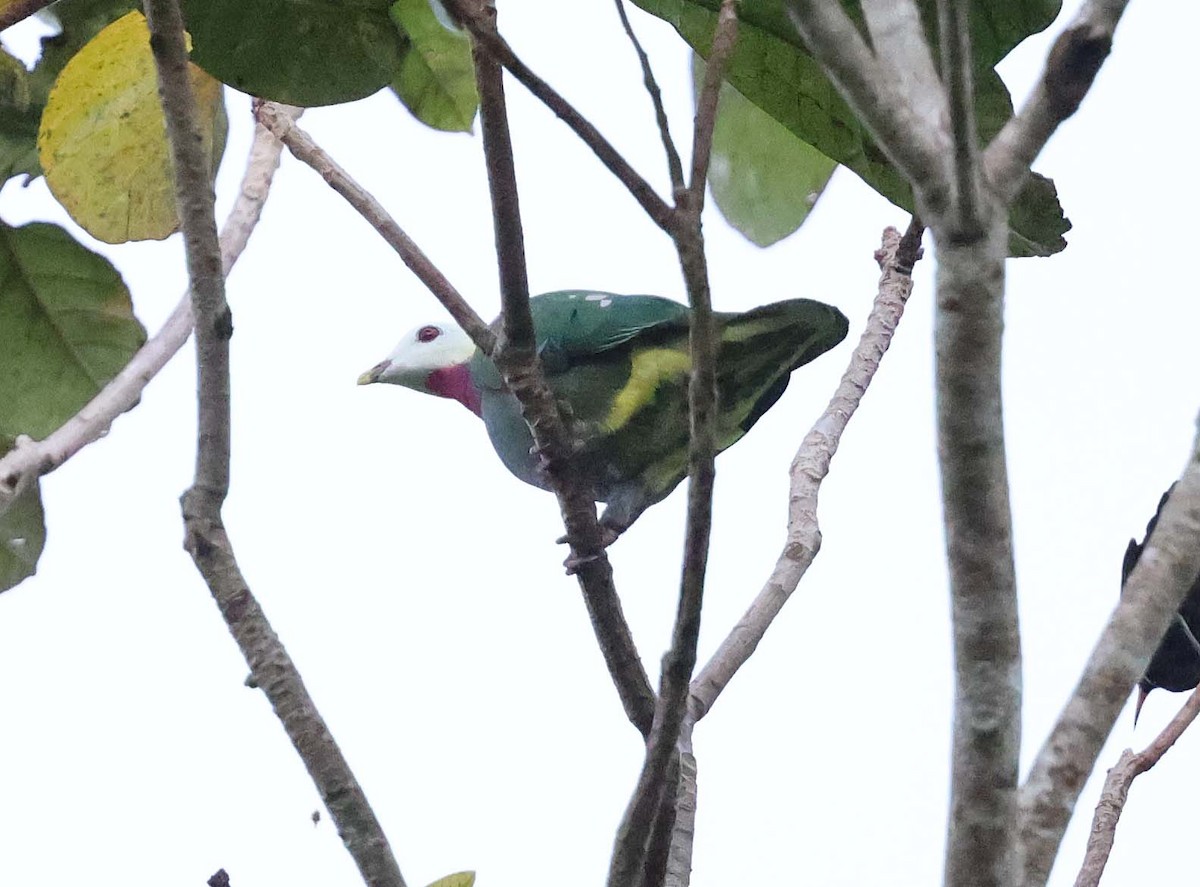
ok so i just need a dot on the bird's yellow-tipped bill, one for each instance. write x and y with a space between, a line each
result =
373 374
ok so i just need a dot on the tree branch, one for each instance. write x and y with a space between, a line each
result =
914 144
19 10
958 74
683 834
981 839
125 389
674 167
516 358
1071 67
495 46
1116 791
305 149
810 467
640 847
205 536
724 38
898 38
1164 573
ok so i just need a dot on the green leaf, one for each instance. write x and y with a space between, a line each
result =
22 533
18 121
763 179
771 68
458 879
66 327
304 53
436 80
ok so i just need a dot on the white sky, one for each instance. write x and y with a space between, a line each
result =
416 582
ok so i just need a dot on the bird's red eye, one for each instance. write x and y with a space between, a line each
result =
428 333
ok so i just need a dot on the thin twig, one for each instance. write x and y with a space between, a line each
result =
122 393
18 10
958 75
1164 573
916 147
1071 67
205 536
655 790
674 166
724 38
655 207
1116 791
810 467
516 358
305 149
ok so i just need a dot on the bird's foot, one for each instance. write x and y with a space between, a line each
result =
575 562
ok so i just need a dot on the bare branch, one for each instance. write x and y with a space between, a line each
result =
1152 594
1073 63
18 10
305 149
898 37
517 359
724 38
125 389
896 258
674 167
958 74
679 854
981 839
916 145
1116 791
495 46
205 536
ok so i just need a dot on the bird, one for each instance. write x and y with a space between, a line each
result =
618 366
1175 665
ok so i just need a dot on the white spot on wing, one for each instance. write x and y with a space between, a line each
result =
603 298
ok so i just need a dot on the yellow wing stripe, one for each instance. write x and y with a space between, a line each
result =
647 370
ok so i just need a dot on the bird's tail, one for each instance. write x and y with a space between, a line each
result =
760 348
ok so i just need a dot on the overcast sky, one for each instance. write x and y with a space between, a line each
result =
416 582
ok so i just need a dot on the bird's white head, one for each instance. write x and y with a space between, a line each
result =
427 350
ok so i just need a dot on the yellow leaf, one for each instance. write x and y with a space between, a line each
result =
102 141
458 879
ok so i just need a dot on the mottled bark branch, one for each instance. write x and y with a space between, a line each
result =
636 854
205 537
122 393
517 360
674 166
981 832
495 46
809 469
917 146
1168 567
683 834
1116 791
303 148
1071 67
958 74
898 38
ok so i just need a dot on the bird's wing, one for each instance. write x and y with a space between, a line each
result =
573 327
577 325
